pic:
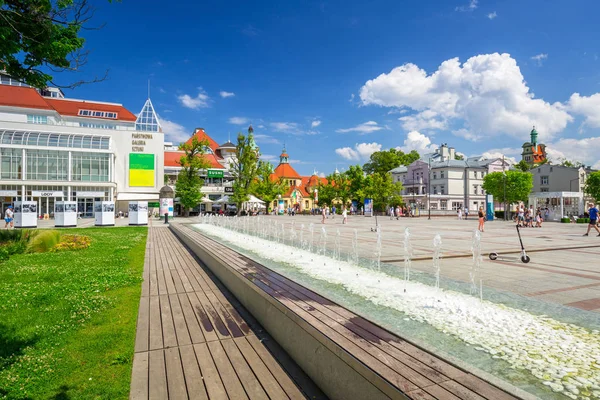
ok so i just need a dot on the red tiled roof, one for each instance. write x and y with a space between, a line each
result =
285 171
17 96
201 135
72 107
302 191
172 159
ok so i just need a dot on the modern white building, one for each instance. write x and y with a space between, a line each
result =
54 148
454 183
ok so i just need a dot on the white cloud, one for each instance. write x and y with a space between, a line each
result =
540 58
239 120
195 103
266 139
417 141
487 95
498 154
261 127
582 150
315 123
351 98
291 128
174 132
360 151
467 8
466 134
367 127
423 120
225 94
268 157
492 15
321 174
589 107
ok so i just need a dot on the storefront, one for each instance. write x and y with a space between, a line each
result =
559 204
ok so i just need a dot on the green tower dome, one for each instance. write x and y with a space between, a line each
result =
534 136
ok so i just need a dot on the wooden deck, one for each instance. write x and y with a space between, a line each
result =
191 341
413 371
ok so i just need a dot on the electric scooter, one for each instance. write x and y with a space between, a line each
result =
524 257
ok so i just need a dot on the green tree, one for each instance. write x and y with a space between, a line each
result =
39 37
385 160
264 187
592 186
326 194
513 187
523 166
340 185
572 164
244 168
189 183
356 179
383 190
459 156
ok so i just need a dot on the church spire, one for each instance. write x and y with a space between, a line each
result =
283 158
534 136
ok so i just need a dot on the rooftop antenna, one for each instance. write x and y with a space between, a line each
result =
228 136
148 88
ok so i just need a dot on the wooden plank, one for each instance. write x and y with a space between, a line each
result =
284 380
420 394
440 393
176 250
168 328
208 331
162 284
268 382
231 324
146 273
233 385
193 376
175 380
157 378
181 329
156 335
169 287
244 372
210 374
483 388
193 327
233 312
139 377
217 323
460 391
142 334
153 270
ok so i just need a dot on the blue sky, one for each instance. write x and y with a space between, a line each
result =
336 80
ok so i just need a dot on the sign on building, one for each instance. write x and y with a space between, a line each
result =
47 193
228 189
141 169
214 173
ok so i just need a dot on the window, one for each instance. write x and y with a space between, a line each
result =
444 205
442 189
456 205
544 180
100 114
434 175
442 174
54 140
434 206
474 189
11 165
96 126
90 167
435 190
47 165
545 190
37 119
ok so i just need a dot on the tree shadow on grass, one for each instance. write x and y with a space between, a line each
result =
62 394
11 345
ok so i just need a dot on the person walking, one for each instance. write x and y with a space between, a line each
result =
9 218
333 212
593 213
466 212
521 215
459 213
323 215
481 219
344 216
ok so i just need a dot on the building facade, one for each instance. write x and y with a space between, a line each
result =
533 152
54 148
445 183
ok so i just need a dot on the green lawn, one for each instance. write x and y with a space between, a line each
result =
67 320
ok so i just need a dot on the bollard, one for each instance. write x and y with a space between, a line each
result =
166 218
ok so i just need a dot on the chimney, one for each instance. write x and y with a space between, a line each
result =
444 152
452 153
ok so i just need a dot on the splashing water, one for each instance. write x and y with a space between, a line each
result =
311 229
378 248
408 253
293 233
474 272
437 250
302 236
355 247
337 248
323 242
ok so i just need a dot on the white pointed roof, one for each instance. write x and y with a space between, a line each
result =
147 120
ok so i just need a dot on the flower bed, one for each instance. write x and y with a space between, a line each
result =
72 242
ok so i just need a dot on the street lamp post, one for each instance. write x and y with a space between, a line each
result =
429 189
504 182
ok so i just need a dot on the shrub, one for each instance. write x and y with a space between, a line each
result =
11 235
565 220
583 220
72 242
43 241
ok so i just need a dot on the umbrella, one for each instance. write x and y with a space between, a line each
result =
222 200
205 200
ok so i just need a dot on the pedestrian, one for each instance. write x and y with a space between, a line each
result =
323 215
481 219
521 216
466 212
459 213
8 218
344 216
391 212
333 212
593 213
398 212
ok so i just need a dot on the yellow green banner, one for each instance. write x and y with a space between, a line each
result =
141 169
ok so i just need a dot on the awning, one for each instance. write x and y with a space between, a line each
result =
136 196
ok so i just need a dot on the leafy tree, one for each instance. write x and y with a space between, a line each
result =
592 186
523 166
264 187
459 156
243 168
340 185
356 179
39 37
383 161
326 194
516 185
189 182
382 189
571 164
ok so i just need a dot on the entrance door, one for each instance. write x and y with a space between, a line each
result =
85 207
